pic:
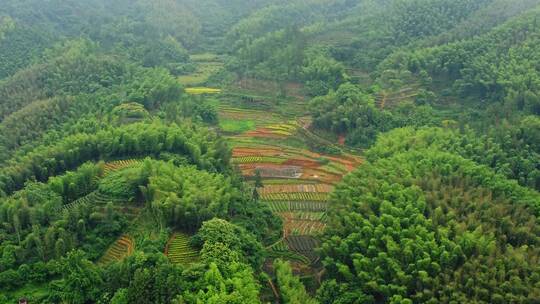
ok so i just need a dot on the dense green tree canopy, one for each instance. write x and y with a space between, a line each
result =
205 151
403 229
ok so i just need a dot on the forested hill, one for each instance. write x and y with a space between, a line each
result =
270 151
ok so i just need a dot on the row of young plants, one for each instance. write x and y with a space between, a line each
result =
287 206
295 196
121 248
180 251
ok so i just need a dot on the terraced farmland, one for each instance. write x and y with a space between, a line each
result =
297 181
285 206
303 245
258 159
119 164
202 90
95 198
179 250
120 249
295 196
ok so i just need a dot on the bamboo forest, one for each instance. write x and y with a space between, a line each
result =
269 151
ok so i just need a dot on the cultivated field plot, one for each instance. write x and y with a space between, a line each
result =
304 215
207 65
258 151
303 245
258 159
119 164
308 188
94 198
239 121
281 250
273 131
269 88
281 181
288 206
296 226
297 181
261 117
295 196
202 90
120 249
180 251
275 171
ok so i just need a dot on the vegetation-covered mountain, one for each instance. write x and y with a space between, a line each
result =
270 151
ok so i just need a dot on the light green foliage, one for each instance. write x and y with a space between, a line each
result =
220 233
134 139
186 196
505 150
292 291
238 288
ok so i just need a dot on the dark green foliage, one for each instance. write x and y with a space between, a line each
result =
197 108
101 149
321 72
510 150
81 280
72 68
498 66
153 88
232 237
30 121
132 140
145 278
352 112
20 45
403 227
185 196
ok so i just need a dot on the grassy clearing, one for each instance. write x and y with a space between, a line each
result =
236 126
95 198
205 57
